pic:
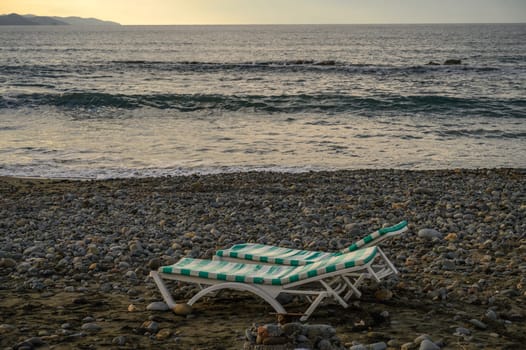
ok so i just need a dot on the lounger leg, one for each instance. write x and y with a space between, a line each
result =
319 299
313 306
387 261
353 286
162 288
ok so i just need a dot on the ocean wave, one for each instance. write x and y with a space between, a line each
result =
302 103
293 65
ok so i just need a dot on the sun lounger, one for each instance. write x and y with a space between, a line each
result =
268 254
268 281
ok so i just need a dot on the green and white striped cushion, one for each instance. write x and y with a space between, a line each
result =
375 235
285 256
273 255
267 274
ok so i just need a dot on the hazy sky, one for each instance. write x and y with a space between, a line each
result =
276 11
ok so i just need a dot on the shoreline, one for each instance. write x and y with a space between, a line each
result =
266 171
76 252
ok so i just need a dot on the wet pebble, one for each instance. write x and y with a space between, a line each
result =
91 327
157 306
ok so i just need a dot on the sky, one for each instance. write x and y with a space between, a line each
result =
159 12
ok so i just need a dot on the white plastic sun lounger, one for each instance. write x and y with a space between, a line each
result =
268 281
268 254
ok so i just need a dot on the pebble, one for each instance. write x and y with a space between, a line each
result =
463 244
182 309
6 328
164 334
427 344
408 346
479 324
150 326
120 340
91 327
429 233
157 306
7 263
383 295
461 331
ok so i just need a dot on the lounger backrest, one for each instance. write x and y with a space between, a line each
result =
376 237
267 274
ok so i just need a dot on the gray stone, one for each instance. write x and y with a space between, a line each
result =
157 306
408 346
325 344
120 340
91 327
427 344
421 338
358 347
150 326
477 323
491 315
461 331
429 233
377 346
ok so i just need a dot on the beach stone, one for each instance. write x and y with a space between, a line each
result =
30 343
478 324
154 264
408 346
429 233
421 338
325 344
272 340
7 263
120 340
292 328
358 347
6 328
150 326
427 344
448 265
377 346
491 315
383 295
91 327
461 331
164 334
451 237
320 331
182 309
157 306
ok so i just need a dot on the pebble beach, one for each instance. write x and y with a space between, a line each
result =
75 256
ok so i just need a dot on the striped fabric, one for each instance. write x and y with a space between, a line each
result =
274 255
267 274
285 256
375 235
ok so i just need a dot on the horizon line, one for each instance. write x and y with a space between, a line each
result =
314 24
269 24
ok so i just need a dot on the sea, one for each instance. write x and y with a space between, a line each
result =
142 101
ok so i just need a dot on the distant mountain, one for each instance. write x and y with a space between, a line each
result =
32 20
77 21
